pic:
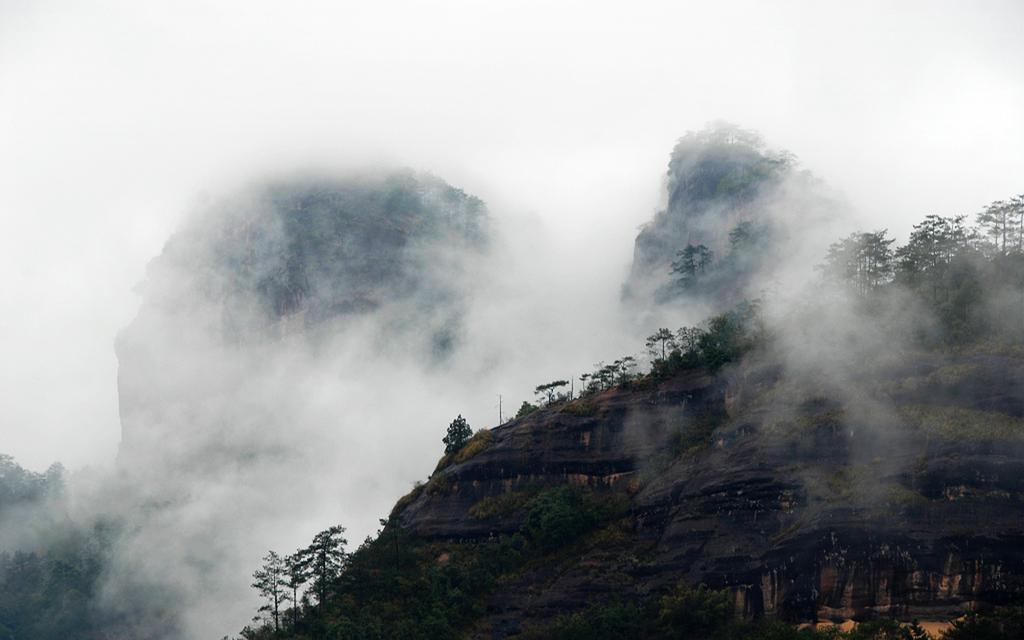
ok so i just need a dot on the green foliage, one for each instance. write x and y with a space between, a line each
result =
661 343
271 583
469 448
1002 624
884 629
439 483
408 498
582 408
599 621
722 162
960 423
1003 222
696 272
394 586
969 279
18 485
726 338
49 589
722 339
863 259
699 610
526 409
548 392
457 436
500 505
692 264
51 593
323 561
805 422
480 441
606 376
557 517
696 434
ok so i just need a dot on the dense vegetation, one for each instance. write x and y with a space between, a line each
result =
721 339
968 280
50 568
394 586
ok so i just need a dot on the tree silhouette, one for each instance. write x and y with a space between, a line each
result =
458 435
271 583
549 390
325 560
660 342
296 568
691 261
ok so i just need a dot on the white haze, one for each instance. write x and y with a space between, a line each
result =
119 119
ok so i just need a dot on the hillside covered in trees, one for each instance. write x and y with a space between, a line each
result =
50 565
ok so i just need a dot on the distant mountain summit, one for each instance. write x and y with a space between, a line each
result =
731 203
311 257
309 251
263 323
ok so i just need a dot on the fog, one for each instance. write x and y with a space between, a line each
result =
119 121
117 116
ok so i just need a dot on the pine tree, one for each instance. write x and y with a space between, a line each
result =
296 574
458 435
548 391
325 560
998 221
693 260
271 583
660 343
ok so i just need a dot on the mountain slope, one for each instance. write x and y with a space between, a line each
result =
817 515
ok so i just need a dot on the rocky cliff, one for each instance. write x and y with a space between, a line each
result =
381 256
806 507
746 208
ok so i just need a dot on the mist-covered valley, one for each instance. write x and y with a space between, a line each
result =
410 331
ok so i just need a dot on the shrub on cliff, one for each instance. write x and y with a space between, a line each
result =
1002 624
698 610
599 621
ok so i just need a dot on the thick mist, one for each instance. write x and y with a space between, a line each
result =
116 118
262 401
123 124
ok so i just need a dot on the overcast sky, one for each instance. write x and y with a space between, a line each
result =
117 117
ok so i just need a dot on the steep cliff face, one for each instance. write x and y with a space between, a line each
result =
246 376
303 260
807 508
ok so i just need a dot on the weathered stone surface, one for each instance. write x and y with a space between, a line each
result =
826 514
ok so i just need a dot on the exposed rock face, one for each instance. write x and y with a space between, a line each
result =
238 379
800 505
305 258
